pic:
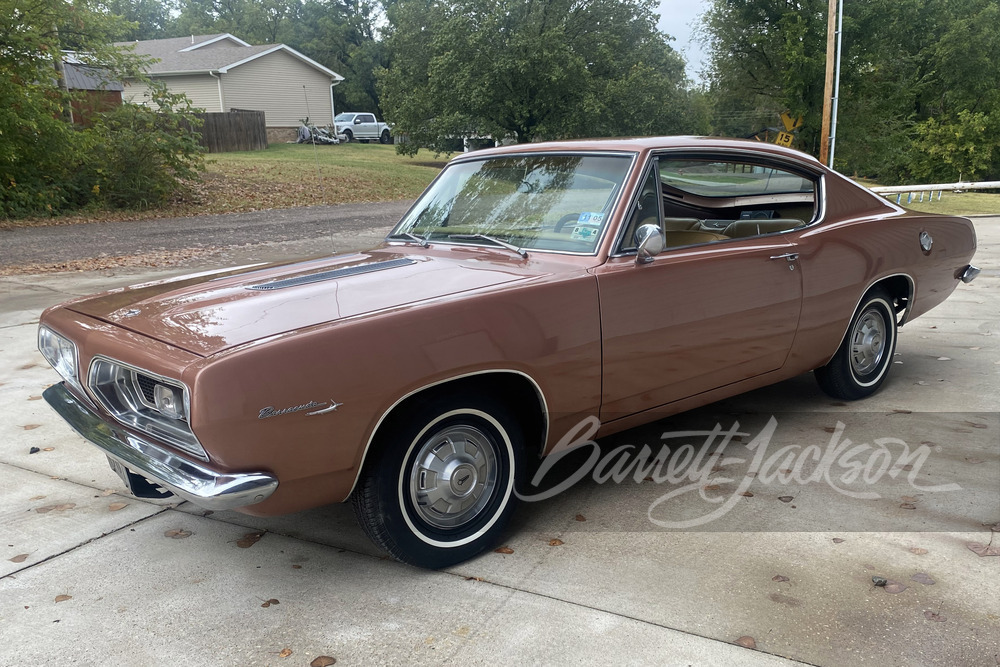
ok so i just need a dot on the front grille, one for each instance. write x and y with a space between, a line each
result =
146 385
334 274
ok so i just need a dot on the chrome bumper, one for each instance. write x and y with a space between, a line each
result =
969 274
190 481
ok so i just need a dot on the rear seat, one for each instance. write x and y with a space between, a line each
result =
678 238
679 224
743 228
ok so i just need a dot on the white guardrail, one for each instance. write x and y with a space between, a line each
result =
939 188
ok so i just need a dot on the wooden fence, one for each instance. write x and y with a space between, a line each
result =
236 130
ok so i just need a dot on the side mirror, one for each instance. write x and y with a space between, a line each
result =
650 243
357 121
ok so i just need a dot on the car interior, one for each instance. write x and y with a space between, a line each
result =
708 200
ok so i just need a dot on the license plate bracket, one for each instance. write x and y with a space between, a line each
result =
137 485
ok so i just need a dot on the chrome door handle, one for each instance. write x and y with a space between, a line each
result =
790 256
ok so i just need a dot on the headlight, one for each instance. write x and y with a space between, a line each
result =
146 402
60 352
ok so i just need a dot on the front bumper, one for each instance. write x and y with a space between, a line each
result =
190 481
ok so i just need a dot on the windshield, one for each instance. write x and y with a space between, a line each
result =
547 202
343 118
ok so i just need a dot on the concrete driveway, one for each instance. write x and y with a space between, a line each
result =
600 573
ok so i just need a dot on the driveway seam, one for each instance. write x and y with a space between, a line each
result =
85 543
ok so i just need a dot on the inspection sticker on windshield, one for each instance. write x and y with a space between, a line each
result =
587 226
590 218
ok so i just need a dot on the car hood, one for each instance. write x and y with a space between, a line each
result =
208 313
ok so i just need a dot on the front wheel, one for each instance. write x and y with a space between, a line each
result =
439 486
349 135
865 355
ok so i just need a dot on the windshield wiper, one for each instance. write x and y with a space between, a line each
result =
484 237
407 236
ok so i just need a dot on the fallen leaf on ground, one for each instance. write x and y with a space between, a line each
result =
296 567
63 598
922 578
323 661
746 641
34 398
474 579
786 499
556 542
249 540
711 487
20 558
503 550
894 587
285 652
580 517
829 429
55 508
918 551
908 506
908 499
177 533
268 603
838 540
902 412
36 498
114 507
983 549
107 492
976 424
934 616
779 578
30 427
747 494
48 449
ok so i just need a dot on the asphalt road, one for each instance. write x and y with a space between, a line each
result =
64 243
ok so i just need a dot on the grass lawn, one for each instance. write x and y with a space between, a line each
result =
962 203
283 176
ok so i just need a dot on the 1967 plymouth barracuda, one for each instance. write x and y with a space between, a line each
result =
530 287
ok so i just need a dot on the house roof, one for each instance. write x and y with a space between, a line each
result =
182 55
85 77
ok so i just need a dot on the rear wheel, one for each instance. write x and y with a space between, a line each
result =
439 487
384 137
865 355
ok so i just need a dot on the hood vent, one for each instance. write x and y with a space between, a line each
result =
332 275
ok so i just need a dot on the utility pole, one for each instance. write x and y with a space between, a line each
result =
831 39
831 87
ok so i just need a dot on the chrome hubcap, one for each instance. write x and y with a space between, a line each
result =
868 342
453 476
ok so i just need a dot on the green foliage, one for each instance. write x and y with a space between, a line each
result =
141 155
540 70
920 81
47 163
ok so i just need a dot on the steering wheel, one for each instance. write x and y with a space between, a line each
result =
569 217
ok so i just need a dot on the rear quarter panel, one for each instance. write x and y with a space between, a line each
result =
865 239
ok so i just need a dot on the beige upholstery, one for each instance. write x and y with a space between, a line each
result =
675 239
745 228
679 224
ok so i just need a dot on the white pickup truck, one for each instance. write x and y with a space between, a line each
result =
362 126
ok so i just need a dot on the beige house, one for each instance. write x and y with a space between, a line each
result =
222 72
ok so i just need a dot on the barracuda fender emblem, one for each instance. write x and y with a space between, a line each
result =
313 406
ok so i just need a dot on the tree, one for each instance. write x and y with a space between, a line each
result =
920 81
47 163
767 56
529 70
